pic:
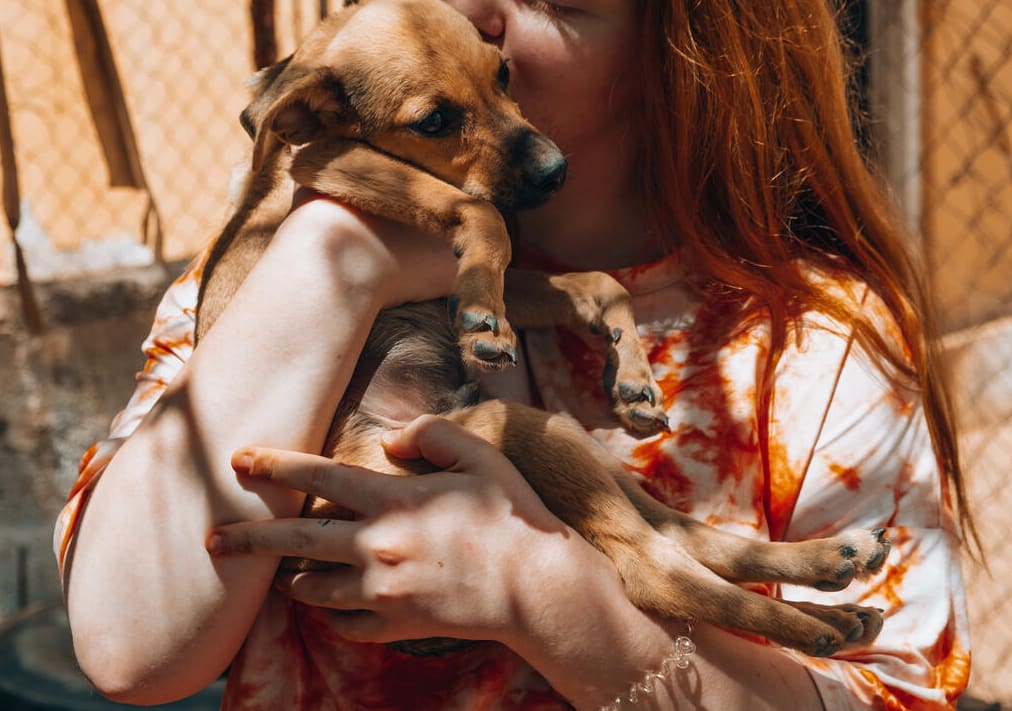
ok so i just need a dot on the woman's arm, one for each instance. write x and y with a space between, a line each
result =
471 552
153 616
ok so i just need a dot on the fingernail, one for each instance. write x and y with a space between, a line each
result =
215 544
242 462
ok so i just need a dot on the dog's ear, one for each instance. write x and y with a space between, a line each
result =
262 85
291 106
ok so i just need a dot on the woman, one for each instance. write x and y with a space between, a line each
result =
713 171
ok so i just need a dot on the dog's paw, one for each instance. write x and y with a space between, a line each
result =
487 341
853 628
636 398
640 408
853 554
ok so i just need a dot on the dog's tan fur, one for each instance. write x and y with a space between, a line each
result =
340 117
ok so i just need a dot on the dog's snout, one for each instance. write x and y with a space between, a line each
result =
549 174
543 169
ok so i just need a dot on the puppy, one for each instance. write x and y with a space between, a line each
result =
398 108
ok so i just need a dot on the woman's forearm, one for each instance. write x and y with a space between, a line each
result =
153 616
592 645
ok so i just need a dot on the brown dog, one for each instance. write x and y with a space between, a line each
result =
399 108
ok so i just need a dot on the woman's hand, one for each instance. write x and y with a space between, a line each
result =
445 554
471 552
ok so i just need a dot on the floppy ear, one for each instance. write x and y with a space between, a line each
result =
262 85
290 107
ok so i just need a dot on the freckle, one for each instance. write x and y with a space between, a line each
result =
439 563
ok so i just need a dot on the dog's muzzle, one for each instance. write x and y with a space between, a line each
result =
543 170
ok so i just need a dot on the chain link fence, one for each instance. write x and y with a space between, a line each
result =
940 73
939 86
154 183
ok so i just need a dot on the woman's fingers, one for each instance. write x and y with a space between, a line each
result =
365 614
315 538
339 589
358 489
445 444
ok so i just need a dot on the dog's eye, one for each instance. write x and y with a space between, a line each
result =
434 124
503 79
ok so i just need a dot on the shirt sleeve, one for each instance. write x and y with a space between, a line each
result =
167 348
873 466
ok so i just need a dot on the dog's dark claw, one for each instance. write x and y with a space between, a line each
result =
473 323
511 353
879 533
485 350
824 646
650 421
616 335
855 633
632 392
489 352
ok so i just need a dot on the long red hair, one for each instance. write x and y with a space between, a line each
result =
753 167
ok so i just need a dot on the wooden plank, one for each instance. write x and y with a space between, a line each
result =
12 209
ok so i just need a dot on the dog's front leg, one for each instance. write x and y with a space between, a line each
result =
597 307
379 184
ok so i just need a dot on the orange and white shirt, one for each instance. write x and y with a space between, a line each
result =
845 450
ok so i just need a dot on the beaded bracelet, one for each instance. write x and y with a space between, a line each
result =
681 650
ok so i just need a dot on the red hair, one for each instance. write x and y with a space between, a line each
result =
754 168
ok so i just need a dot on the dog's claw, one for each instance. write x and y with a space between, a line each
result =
494 355
647 423
634 392
825 646
475 323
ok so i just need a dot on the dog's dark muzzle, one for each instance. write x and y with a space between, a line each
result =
542 170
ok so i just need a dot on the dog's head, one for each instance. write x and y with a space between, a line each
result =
413 79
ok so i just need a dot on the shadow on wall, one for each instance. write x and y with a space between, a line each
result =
58 393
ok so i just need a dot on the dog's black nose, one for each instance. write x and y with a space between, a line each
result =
543 168
549 175
535 169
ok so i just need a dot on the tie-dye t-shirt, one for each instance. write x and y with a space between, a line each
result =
845 450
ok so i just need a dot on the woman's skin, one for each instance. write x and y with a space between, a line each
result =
262 387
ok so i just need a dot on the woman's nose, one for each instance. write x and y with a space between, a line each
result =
486 15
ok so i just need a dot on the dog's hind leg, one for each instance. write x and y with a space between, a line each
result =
577 481
823 563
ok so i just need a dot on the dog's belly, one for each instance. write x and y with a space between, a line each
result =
410 366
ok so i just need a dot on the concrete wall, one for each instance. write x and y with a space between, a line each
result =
58 393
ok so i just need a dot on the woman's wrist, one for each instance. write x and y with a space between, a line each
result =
384 262
339 235
576 626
